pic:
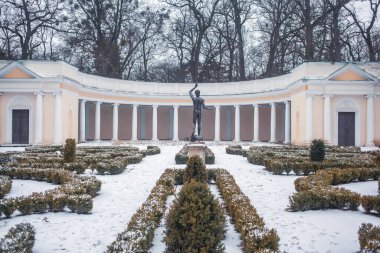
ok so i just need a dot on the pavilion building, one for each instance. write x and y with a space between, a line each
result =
45 102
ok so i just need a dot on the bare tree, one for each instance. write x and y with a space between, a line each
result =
203 12
22 20
366 29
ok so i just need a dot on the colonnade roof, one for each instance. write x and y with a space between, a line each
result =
305 71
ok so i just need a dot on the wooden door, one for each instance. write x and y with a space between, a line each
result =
20 126
346 129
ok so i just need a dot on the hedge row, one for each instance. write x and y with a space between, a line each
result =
19 239
236 150
370 203
139 234
369 238
181 157
5 186
316 191
104 160
281 160
75 192
255 236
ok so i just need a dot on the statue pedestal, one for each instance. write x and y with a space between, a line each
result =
197 148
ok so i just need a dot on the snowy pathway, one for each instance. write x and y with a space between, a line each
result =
311 231
120 197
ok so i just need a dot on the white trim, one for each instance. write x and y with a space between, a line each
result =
16 65
351 67
346 105
15 103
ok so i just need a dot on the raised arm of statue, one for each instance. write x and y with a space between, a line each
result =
191 91
206 107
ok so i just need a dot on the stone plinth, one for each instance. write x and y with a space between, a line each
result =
197 148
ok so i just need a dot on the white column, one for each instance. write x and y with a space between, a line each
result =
256 123
58 118
115 123
217 123
134 122
327 119
370 120
309 118
272 122
154 124
82 131
175 123
97 121
39 118
287 122
237 123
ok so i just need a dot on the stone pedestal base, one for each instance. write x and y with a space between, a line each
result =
197 148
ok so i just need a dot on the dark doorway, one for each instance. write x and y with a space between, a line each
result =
346 129
20 126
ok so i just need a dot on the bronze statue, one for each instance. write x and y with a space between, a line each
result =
198 103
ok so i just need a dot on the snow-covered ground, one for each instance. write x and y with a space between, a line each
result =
27 187
121 196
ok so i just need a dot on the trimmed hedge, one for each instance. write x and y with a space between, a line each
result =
139 233
113 160
75 192
195 222
286 159
369 238
19 239
316 192
182 158
370 203
255 236
236 150
5 186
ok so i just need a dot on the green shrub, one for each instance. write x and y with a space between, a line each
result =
80 204
19 239
369 238
8 207
69 151
195 222
317 150
5 185
195 169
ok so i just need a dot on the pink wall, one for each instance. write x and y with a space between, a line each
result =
264 123
223 122
163 122
91 118
280 122
125 122
148 111
106 121
185 122
246 123
208 122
